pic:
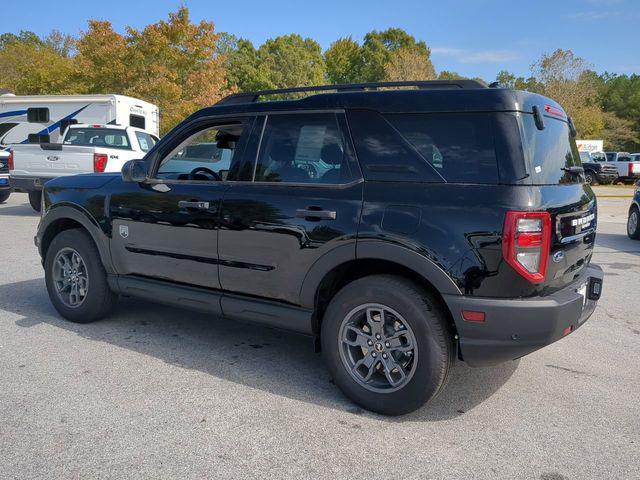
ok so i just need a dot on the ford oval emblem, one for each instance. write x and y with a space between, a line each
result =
558 256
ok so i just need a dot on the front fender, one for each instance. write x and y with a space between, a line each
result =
63 212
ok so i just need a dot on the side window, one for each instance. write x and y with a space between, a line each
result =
303 148
64 124
459 146
384 155
137 121
145 141
206 155
38 115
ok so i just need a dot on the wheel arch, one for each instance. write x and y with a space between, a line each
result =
340 267
68 216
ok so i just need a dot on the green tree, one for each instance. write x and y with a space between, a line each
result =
344 61
31 65
290 61
379 47
409 64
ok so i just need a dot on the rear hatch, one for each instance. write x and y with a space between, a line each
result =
551 153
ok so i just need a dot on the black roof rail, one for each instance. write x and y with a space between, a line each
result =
252 97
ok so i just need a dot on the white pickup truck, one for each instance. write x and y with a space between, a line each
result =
628 167
83 149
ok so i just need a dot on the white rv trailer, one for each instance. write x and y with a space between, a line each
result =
43 118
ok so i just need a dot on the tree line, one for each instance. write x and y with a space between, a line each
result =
181 66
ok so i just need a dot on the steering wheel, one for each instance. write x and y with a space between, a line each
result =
205 171
310 169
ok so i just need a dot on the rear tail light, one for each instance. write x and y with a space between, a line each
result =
630 169
10 160
526 243
99 162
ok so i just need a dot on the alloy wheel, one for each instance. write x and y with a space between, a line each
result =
378 348
70 277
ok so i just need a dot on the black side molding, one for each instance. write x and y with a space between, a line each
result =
265 312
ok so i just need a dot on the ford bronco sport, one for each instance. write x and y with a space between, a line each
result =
402 225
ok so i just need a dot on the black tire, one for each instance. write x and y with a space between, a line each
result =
35 197
99 299
4 196
633 223
428 323
590 177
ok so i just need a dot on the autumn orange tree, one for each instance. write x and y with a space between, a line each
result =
172 63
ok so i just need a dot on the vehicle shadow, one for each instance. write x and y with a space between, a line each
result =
23 210
274 361
619 242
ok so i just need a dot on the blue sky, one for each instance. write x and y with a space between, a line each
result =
474 38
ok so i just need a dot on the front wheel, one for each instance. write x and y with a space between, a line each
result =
633 223
75 278
590 178
4 196
35 199
386 343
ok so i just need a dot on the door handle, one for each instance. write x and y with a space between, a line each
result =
193 205
316 213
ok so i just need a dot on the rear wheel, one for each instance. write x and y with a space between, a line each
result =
633 223
75 278
386 343
4 196
35 197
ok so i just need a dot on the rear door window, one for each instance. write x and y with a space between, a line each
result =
458 146
303 148
550 151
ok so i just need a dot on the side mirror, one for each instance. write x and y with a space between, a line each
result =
134 171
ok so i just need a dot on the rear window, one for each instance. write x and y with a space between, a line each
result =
98 137
459 146
550 150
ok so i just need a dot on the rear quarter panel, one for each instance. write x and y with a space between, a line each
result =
459 228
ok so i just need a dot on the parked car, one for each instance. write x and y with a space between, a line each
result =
597 172
5 185
454 222
633 221
628 169
83 148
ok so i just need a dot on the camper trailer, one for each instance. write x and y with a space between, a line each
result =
43 118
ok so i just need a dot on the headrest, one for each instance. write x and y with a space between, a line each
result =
331 154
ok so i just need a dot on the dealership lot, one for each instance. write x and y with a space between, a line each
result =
159 392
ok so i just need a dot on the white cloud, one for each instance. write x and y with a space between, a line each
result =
592 15
479 56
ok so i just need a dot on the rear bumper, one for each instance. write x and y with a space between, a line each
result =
607 176
28 184
516 327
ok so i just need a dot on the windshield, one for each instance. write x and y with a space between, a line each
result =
585 157
98 137
550 151
599 157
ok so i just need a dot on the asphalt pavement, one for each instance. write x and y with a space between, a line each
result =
158 392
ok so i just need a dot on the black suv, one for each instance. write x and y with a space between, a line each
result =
401 225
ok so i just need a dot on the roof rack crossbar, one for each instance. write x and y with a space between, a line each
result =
252 97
